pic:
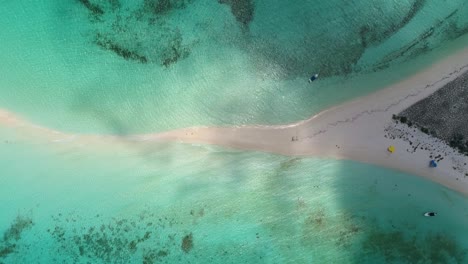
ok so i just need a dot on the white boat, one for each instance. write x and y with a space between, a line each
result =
430 214
313 77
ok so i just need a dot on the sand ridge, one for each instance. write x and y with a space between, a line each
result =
356 130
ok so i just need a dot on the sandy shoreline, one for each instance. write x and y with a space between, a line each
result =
356 130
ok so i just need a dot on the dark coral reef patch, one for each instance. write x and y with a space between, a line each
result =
187 243
242 10
146 236
160 7
93 8
142 34
395 246
346 53
12 235
119 50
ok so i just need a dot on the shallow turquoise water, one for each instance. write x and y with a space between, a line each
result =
123 67
69 205
127 66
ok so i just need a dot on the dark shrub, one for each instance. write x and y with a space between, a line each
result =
459 143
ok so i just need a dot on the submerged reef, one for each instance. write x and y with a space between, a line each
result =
159 7
242 10
154 256
145 236
97 8
93 8
143 34
175 52
369 34
318 221
113 241
443 114
149 32
187 243
446 29
121 51
12 236
396 247
368 240
346 53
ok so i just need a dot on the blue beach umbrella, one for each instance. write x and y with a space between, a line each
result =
433 164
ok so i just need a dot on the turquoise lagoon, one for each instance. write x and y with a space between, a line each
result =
123 67
197 204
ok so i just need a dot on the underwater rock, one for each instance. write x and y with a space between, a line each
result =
174 52
113 240
13 234
154 256
7 250
187 243
119 50
160 7
442 30
115 4
243 10
93 8
140 34
396 247
157 6
20 224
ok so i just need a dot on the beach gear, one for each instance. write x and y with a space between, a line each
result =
391 149
430 214
433 164
313 77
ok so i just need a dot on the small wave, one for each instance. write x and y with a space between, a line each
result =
65 140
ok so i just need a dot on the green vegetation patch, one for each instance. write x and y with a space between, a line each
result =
443 114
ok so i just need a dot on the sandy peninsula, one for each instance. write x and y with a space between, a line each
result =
360 130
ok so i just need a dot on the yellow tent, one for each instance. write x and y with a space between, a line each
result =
391 149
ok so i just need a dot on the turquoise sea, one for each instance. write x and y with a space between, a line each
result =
114 66
179 203
141 66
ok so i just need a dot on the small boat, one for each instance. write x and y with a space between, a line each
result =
314 77
430 214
